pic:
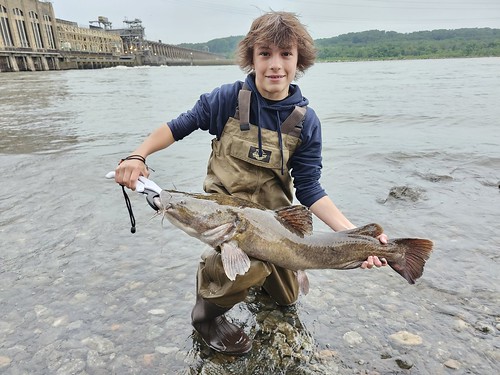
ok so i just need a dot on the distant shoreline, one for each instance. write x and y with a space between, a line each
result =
376 45
408 58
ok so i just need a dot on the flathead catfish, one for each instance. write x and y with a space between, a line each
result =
284 237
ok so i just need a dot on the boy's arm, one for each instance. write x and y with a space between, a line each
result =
129 171
327 211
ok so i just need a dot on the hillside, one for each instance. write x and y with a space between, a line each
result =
378 45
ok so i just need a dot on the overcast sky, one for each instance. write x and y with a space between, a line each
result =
192 21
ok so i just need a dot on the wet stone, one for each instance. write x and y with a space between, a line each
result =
124 364
404 363
95 360
76 325
459 325
453 364
61 321
147 359
157 312
99 344
404 193
405 338
5 328
352 338
154 332
4 361
326 354
75 366
494 354
484 327
166 350
433 177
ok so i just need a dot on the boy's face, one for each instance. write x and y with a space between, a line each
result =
275 69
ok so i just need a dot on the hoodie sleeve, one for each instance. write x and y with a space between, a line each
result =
210 112
306 162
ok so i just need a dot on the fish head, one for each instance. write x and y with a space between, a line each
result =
197 214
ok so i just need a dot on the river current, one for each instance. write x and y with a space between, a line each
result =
411 145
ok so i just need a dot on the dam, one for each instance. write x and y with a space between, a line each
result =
32 38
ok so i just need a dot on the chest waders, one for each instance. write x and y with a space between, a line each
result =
240 166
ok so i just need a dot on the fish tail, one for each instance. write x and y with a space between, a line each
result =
416 252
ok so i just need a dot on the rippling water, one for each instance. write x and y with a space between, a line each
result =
412 145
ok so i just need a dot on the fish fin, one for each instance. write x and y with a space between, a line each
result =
234 260
371 230
417 251
218 235
303 281
297 219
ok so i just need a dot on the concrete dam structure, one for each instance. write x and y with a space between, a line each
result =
33 39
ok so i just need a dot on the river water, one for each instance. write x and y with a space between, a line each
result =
412 145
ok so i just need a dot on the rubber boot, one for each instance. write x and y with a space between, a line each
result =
216 331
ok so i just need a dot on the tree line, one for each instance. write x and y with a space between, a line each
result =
382 45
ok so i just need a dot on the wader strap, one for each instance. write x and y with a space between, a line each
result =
293 123
244 108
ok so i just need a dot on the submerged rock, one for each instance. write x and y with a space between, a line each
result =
453 364
404 362
4 361
352 338
405 338
432 177
405 193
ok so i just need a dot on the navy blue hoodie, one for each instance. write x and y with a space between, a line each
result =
212 111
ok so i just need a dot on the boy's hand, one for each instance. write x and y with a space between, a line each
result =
375 260
128 172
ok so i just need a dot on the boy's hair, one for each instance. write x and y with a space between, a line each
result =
282 29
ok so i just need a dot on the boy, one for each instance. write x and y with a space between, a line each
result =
267 143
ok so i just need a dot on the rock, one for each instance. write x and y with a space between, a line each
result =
432 177
157 312
94 360
385 355
326 354
404 193
405 338
41 311
460 325
80 297
147 359
484 327
404 363
453 364
4 361
75 366
63 320
352 338
74 325
165 350
154 332
99 344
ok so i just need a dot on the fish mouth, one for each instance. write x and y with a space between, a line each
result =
164 204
